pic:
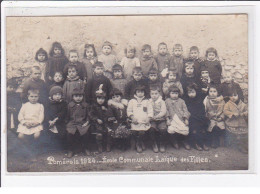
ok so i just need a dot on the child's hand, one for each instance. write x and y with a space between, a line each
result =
111 119
99 121
204 89
186 122
50 78
85 124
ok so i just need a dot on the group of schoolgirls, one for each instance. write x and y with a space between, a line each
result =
161 98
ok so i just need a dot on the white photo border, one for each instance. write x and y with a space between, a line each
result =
132 8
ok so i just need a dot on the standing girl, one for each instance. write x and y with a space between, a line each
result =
213 65
130 61
236 114
177 118
90 58
41 57
214 106
197 122
56 62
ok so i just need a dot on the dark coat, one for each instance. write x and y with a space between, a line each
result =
185 81
55 64
131 86
56 109
226 88
76 117
36 85
197 67
215 70
197 121
60 84
162 61
98 112
119 115
93 85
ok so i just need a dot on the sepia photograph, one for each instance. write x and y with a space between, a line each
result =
148 93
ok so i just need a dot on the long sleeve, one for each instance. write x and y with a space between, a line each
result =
219 68
168 105
178 84
122 63
163 110
92 114
65 90
25 91
137 62
149 110
155 65
41 114
227 111
128 90
129 109
186 113
89 90
165 88
21 115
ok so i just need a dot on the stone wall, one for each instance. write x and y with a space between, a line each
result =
227 33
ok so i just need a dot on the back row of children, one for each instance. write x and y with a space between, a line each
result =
164 97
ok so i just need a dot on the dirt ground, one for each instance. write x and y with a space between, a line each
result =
49 158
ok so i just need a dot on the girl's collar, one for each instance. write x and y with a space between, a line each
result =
51 100
212 60
73 79
139 99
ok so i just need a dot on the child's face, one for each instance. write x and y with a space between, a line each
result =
89 52
177 52
162 50
153 77
118 74
100 100
72 73
57 97
137 76
73 57
211 56
154 94
234 97
57 51
139 93
106 50
99 70
41 57
10 89
33 98
130 53
204 74
78 98
228 78
192 93
146 53
36 74
116 98
174 95
213 92
189 69
57 77
194 54
172 76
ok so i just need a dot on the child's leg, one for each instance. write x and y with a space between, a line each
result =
162 140
99 138
21 136
184 139
109 141
70 144
37 135
136 134
85 143
174 140
152 133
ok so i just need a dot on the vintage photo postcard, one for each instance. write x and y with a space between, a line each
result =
150 93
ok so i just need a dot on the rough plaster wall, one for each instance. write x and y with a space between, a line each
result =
227 33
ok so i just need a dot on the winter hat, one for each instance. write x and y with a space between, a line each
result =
107 43
117 67
77 91
55 90
100 92
98 64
